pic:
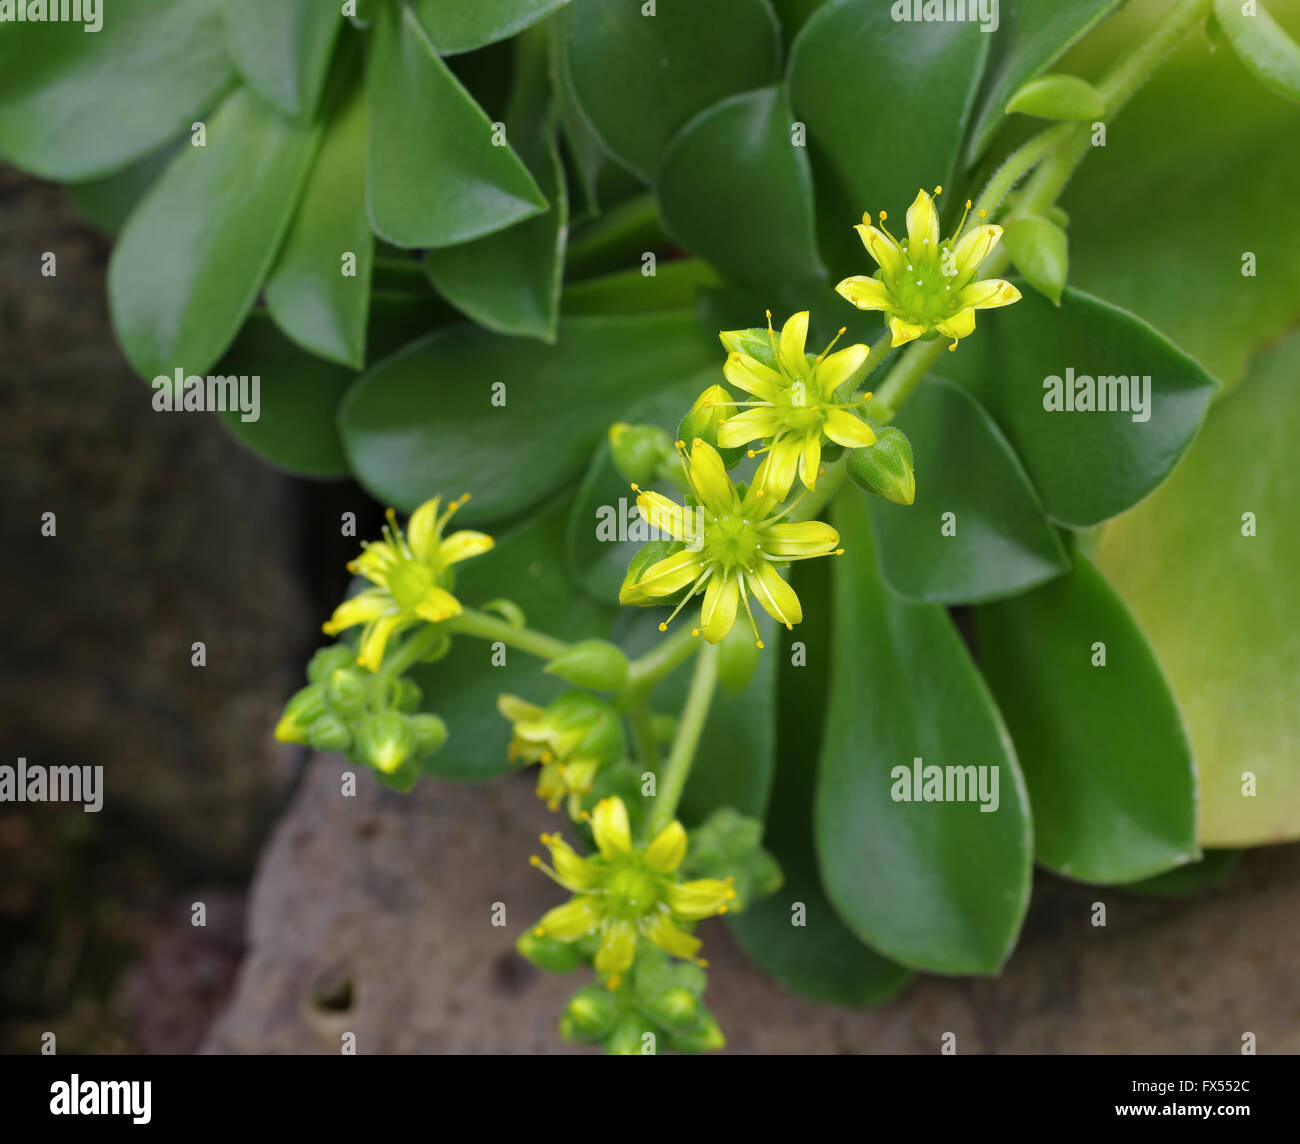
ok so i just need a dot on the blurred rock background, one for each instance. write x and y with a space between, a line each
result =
373 914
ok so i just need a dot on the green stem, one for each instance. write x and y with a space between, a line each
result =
1018 164
828 485
647 670
472 623
641 717
904 378
410 653
694 715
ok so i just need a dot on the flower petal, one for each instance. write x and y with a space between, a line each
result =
866 293
810 459
570 921
883 249
700 899
975 246
709 478
718 613
609 827
960 325
752 425
666 515
437 605
845 429
751 375
781 466
667 936
462 545
794 336
803 538
668 848
989 294
518 710
360 609
374 639
836 369
575 872
922 223
775 595
666 576
904 331
422 530
617 948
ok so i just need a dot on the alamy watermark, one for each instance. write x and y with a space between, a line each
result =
36 783
919 783
233 394
981 12
625 522
1106 393
87 12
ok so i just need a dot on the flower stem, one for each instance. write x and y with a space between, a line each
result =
694 715
647 670
410 653
472 623
1018 164
828 484
904 378
641 717
878 352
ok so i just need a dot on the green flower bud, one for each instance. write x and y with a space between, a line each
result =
591 1014
738 660
638 450
404 695
678 1010
385 741
706 1037
346 692
302 710
597 664
1041 252
403 779
549 953
704 420
885 468
629 1038
328 660
430 733
1058 97
329 733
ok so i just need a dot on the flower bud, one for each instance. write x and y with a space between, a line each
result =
590 1014
430 733
302 710
1041 252
639 450
329 733
704 420
346 692
738 660
385 741
705 1037
1058 97
404 695
629 1038
678 1010
885 468
549 953
596 664
328 660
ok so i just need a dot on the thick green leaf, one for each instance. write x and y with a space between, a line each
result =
795 935
1193 878
886 104
937 885
1087 466
526 566
1030 37
282 48
606 529
433 174
189 263
1002 544
742 146
1221 607
296 429
426 420
1262 44
1204 126
640 78
77 105
673 286
1058 97
792 15
458 26
1096 729
309 296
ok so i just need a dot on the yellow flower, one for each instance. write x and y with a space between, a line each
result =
796 404
733 544
627 893
411 573
925 283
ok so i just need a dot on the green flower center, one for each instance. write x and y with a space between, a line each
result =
730 542
631 892
409 581
922 290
